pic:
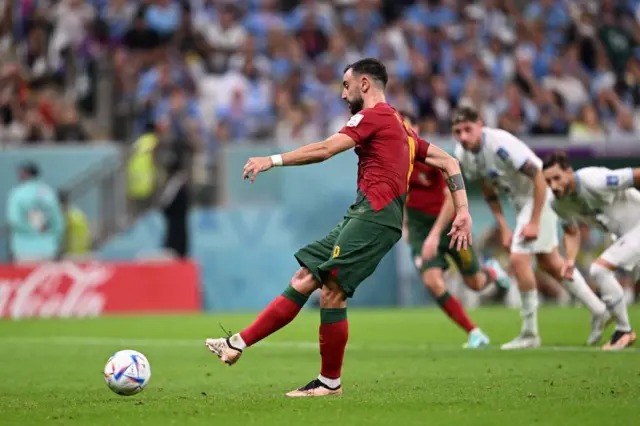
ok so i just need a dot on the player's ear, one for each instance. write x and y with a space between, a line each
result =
364 84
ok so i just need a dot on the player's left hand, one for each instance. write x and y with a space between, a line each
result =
256 165
461 231
530 231
567 270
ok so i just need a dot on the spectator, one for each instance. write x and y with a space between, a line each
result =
163 17
587 126
142 173
296 126
35 218
117 17
77 233
68 127
179 118
224 36
570 87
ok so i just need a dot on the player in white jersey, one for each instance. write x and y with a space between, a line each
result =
504 164
605 199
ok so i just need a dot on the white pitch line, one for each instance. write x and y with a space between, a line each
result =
301 345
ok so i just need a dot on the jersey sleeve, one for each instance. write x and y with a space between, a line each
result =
361 126
514 152
606 179
422 148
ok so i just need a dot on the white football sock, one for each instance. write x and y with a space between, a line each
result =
629 296
237 342
580 289
332 383
529 312
612 294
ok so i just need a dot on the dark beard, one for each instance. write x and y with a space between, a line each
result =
356 105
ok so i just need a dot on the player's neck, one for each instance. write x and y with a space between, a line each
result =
573 186
475 149
373 100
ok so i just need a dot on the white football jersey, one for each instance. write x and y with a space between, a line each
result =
604 198
498 161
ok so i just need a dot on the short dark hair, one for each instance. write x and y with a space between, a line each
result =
464 113
558 157
371 67
31 169
408 116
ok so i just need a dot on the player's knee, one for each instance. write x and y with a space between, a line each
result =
433 281
519 260
332 296
304 282
476 281
598 270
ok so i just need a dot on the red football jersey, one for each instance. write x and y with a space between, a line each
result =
386 149
426 189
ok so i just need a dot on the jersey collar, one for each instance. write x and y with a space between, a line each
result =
576 176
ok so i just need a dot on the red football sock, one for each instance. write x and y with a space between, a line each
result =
333 341
280 312
452 307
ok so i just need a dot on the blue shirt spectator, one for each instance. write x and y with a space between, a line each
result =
164 17
35 218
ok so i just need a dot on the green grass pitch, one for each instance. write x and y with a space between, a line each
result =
403 367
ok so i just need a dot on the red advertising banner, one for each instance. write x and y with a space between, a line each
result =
68 289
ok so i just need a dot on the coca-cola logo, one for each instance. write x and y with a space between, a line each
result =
62 289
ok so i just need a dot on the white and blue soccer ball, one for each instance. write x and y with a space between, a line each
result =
127 372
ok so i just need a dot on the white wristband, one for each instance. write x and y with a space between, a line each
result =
277 160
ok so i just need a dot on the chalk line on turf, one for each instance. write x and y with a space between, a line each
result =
301 345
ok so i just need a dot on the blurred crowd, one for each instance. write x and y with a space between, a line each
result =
265 69
209 72
43 65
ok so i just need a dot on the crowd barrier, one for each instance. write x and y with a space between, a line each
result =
68 289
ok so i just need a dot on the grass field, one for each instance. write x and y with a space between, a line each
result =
402 367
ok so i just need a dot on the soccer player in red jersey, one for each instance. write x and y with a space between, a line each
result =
429 211
386 148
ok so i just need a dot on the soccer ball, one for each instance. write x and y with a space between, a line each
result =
127 372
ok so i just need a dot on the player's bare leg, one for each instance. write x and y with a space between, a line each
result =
334 333
529 337
434 282
491 273
603 273
280 312
552 263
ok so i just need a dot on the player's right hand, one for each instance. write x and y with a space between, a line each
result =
567 270
506 238
256 165
461 231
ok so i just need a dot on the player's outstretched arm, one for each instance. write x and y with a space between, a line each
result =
461 227
572 240
307 154
438 158
493 201
618 179
318 151
534 173
636 177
